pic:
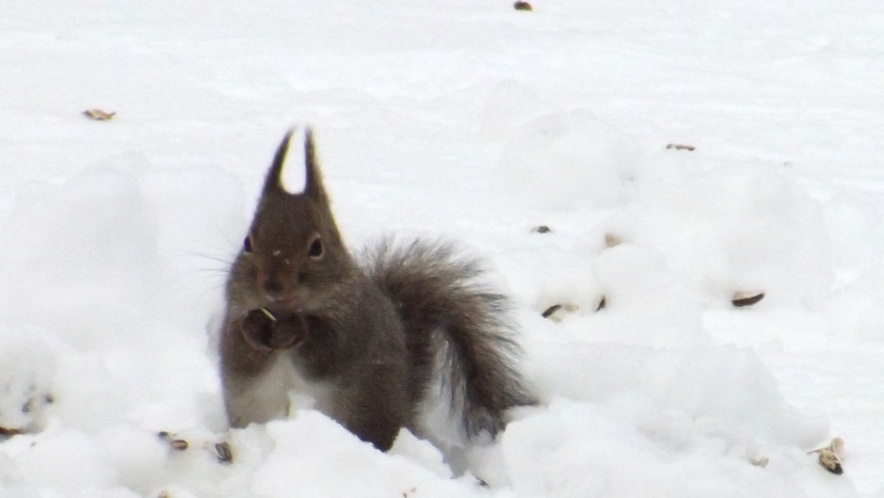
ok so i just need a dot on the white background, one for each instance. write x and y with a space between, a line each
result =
470 121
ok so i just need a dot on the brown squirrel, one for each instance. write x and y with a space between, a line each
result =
361 338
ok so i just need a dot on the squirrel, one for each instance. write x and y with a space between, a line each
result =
360 335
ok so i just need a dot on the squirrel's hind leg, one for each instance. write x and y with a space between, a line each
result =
375 406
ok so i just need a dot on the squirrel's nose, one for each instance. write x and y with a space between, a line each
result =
272 287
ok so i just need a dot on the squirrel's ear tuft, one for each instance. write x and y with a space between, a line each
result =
274 175
276 181
313 182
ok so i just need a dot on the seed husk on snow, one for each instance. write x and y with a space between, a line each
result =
179 444
746 298
612 240
523 6
552 309
688 148
556 311
830 456
99 115
222 450
831 462
176 444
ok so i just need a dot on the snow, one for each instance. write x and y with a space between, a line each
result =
474 122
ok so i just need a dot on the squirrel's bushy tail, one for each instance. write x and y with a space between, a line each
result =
438 293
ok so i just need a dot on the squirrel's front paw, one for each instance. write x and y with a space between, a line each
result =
257 329
288 332
266 331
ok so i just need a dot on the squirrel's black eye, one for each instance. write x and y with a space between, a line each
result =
247 245
315 251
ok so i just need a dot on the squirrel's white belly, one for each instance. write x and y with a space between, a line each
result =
280 390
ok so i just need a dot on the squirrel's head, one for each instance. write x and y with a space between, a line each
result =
293 254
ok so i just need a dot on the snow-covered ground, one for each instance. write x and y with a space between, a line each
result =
473 121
